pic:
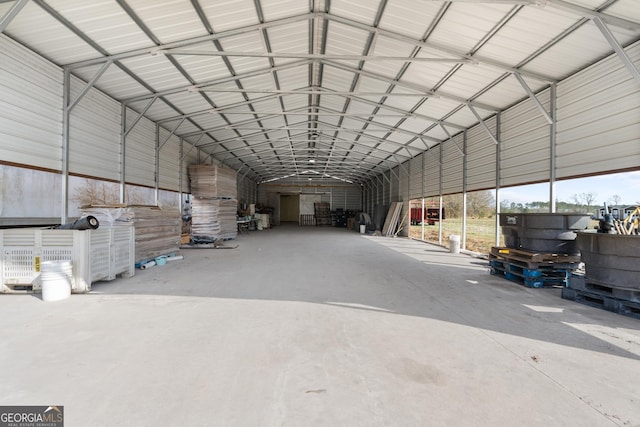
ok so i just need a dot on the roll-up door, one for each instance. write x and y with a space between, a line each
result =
599 119
140 150
94 134
432 172
30 107
169 161
415 192
452 164
481 159
525 143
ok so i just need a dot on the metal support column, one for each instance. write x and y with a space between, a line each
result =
553 149
463 239
66 114
498 158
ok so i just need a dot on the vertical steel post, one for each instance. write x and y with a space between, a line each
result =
66 115
498 160
553 128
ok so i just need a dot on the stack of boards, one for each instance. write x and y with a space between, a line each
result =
157 231
391 223
215 205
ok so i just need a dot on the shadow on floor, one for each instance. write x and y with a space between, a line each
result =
324 265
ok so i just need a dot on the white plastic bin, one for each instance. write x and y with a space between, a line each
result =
100 254
363 228
454 244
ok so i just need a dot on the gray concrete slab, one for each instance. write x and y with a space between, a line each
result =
321 327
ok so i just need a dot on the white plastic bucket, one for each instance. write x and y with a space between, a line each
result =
55 277
363 228
454 244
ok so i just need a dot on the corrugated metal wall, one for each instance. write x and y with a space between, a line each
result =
30 108
481 159
599 119
525 147
340 197
432 172
140 151
94 134
452 165
169 173
416 170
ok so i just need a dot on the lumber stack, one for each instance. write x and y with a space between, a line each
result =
214 205
157 231
393 216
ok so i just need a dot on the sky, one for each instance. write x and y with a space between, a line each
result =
626 185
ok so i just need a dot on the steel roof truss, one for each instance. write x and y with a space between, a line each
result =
617 48
11 13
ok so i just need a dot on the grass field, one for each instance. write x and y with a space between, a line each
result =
481 232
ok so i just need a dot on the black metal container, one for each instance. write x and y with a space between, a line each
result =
611 259
543 232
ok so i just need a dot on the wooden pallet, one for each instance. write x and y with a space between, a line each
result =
615 305
580 282
535 259
530 277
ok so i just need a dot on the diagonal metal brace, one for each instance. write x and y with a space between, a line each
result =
483 124
533 97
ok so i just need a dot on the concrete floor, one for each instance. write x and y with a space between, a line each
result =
321 327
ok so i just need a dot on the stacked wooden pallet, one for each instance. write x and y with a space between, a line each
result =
533 269
214 206
322 213
213 181
157 231
393 216
214 218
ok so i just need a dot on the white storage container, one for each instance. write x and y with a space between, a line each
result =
100 254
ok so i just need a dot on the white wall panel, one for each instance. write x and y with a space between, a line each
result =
525 143
404 183
393 177
481 159
452 165
30 107
599 119
169 173
140 151
94 134
416 168
432 172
